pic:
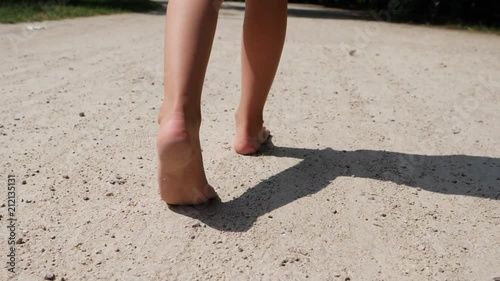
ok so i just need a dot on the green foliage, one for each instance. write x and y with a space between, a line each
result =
12 11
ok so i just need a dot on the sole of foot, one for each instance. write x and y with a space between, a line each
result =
246 144
181 176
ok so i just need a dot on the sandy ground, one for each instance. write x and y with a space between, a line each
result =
385 161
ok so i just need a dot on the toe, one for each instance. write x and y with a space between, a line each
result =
263 135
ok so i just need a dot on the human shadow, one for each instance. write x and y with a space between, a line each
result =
448 174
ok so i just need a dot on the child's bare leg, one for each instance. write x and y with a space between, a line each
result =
263 38
189 36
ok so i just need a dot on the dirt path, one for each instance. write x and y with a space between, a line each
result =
385 163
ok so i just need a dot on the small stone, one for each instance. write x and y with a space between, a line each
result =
192 236
49 276
20 241
384 215
109 194
240 249
86 198
24 182
196 225
270 216
352 52
82 114
65 177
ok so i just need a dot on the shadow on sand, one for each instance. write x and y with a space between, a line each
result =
448 174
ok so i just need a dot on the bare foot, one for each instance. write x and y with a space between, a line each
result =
249 138
181 176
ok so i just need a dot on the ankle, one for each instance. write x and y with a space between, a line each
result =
190 119
248 122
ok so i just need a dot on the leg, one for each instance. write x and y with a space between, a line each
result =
190 30
263 38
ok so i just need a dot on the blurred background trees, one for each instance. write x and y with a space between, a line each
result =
482 13
475 12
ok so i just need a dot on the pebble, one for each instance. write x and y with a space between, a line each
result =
82 114
196 225
240 249
109 194
65 177
23 182
20 241
50 276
